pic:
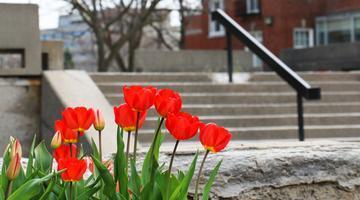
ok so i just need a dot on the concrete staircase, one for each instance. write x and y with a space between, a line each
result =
258 106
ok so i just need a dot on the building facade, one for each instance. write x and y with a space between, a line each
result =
278 24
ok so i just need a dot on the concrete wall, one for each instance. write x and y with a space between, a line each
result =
19 110
76 89
55 51
331 57
20 30
191 61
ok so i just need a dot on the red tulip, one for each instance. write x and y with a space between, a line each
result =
16 149
13 169
99 122
182 126
67 135
64 152
125 117
75 168
78 119
167 101
139 98
214 138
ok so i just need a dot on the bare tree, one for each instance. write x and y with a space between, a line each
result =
118 28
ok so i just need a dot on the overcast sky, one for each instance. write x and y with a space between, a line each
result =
49 11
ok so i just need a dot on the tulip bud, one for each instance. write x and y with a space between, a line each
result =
56 140
14 168
16 149
99 122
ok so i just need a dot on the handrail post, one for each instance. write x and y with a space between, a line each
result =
229 55
300 110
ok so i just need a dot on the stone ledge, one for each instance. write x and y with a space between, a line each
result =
308 170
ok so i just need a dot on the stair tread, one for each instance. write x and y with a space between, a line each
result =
249 93
160 83
273 128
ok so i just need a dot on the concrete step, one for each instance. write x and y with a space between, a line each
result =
272 120
150 77
188 87
250 98
273 132
309 76
264 109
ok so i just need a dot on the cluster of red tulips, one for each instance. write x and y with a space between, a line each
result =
129 117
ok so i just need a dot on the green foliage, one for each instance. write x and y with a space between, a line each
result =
41 181
211 181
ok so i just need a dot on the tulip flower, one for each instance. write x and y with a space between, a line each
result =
75 169
99 122
214 138
16 149
125 117
56 140
13 169
99 125
182 126
68 136
78 119
64 151
167 101
139 98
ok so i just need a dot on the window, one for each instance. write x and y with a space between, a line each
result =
357 29
338 29
303 38
12 58
256 61
252 6
215 28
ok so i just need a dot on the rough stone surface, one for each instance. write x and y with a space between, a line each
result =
19 110
310 170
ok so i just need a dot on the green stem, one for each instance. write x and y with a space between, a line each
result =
127 151
170 166
156 135
70 191
100 146
198 178
136 134
8 189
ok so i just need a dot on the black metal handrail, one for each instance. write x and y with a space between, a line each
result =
303 89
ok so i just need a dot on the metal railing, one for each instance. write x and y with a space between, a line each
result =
303 89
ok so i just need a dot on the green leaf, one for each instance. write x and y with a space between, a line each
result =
2 194
48 190
5 164
181 191
95 151
135 181
29 168
43 159
147 165
120 165
87 194
30 189
110 185
211 180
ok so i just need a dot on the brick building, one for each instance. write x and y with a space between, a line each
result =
278 24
